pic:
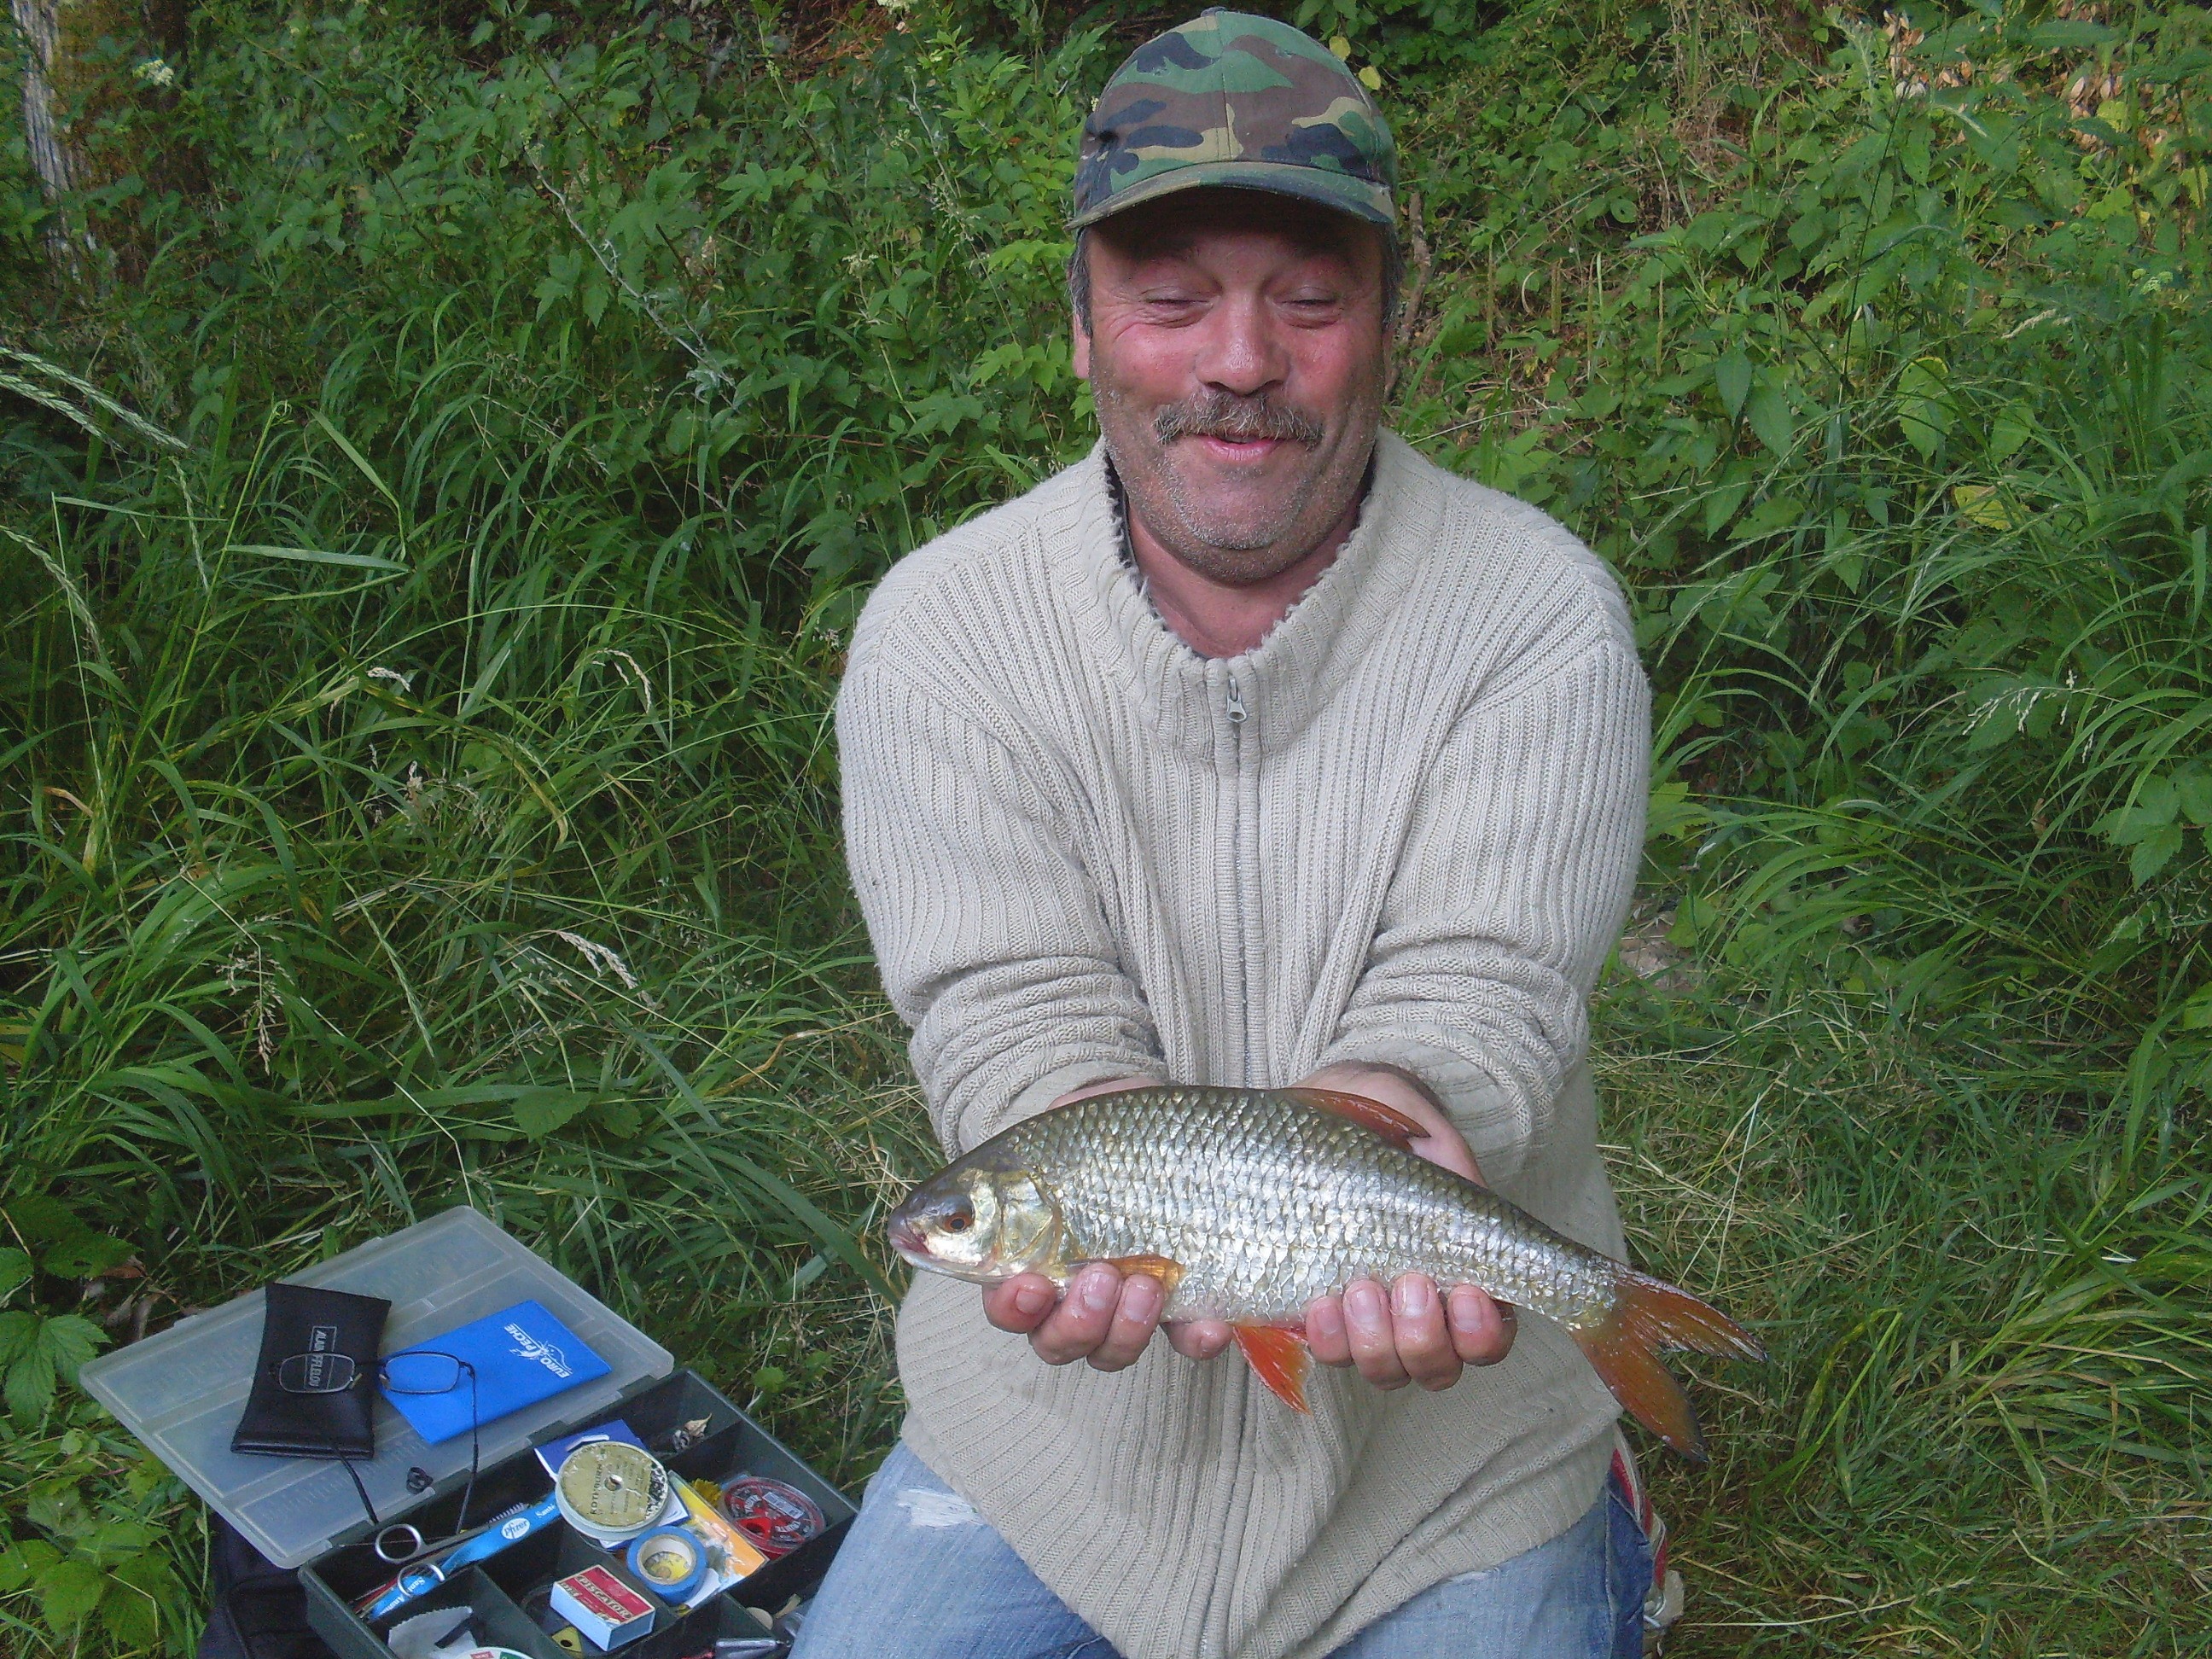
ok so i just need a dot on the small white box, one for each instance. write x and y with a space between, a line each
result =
606 1610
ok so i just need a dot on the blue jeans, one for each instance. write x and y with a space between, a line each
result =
922 1576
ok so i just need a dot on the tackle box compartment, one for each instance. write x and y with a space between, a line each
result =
507 1589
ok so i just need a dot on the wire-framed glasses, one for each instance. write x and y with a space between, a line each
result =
411 1371
416 1372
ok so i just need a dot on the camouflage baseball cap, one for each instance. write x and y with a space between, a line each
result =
1230 99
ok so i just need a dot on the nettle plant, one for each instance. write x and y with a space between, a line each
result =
1878 373
101 1507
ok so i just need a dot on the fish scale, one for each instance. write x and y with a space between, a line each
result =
1204 1176
1248 1204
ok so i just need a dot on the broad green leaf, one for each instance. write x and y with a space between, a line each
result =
87 1257
130 1615
1981 504
21 1563
1720 505
2155 807
69 1590
1672 816
14 1269
49 1351
18 1331
35 1216
2192 793
1732 379
1694 919
1773 419
540 1112
2011 429
2154 851
1925 412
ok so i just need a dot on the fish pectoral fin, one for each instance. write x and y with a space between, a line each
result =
1280 1359
1166 1270
1393 1126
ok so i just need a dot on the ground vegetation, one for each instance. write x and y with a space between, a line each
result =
442 450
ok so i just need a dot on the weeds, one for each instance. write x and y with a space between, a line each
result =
426 562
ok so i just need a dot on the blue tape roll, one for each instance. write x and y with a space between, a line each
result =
649 1555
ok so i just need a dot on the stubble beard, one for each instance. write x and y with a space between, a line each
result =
1237 543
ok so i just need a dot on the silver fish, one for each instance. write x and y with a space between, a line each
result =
1247 1204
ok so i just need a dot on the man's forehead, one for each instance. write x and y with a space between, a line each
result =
1184 225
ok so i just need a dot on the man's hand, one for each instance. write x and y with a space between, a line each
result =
1409 1334
1105 1318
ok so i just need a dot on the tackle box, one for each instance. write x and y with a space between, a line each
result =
181 1392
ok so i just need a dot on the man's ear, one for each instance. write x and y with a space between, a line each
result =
1079 346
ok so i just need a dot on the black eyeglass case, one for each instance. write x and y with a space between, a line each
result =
334 1337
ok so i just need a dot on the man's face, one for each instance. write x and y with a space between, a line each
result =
1236 351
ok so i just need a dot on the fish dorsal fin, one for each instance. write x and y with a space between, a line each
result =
1393 1126
1280 1359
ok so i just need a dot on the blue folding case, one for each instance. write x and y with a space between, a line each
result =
521 1354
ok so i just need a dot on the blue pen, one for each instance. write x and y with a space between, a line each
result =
425 1577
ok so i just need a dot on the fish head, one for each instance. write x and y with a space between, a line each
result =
981 1221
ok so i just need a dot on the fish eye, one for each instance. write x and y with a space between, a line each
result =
959 1221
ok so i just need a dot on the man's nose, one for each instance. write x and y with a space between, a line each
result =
1239 351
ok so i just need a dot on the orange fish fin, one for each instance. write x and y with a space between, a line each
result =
1647 1315
1393 1126
1169 1273
1280 1359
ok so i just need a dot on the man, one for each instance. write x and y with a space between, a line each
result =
1253 750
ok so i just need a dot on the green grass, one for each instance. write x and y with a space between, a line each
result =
1981 1430
427 560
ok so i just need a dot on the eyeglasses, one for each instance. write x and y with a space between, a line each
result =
415 1370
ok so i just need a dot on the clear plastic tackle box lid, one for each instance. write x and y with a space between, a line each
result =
182 1392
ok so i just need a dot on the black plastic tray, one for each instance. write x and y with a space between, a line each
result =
498 1587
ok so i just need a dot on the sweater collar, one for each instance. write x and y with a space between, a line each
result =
1288 677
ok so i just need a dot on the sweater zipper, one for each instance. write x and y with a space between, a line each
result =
1242 741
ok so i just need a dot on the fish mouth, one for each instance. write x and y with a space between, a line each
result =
907 1239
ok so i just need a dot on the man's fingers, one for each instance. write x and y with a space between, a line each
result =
1409 1334
1448 1150
1374 1340
1083 1316
1326 1335
1020 1304
1199 1338
1417 1322
1482 1329
1136 1316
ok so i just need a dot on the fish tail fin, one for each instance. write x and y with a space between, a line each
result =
1648 1314
1280 1359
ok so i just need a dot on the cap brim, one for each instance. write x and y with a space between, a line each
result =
1356 197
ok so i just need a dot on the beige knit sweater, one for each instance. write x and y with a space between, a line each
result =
1402 829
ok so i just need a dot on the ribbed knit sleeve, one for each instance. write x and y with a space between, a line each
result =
1517 873
990 935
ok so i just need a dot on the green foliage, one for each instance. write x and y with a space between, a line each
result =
427 561
97 1560
1880 378
1980 1429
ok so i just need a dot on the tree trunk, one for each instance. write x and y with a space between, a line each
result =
40 21
74 77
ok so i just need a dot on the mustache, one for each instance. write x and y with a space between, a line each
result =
1224 415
